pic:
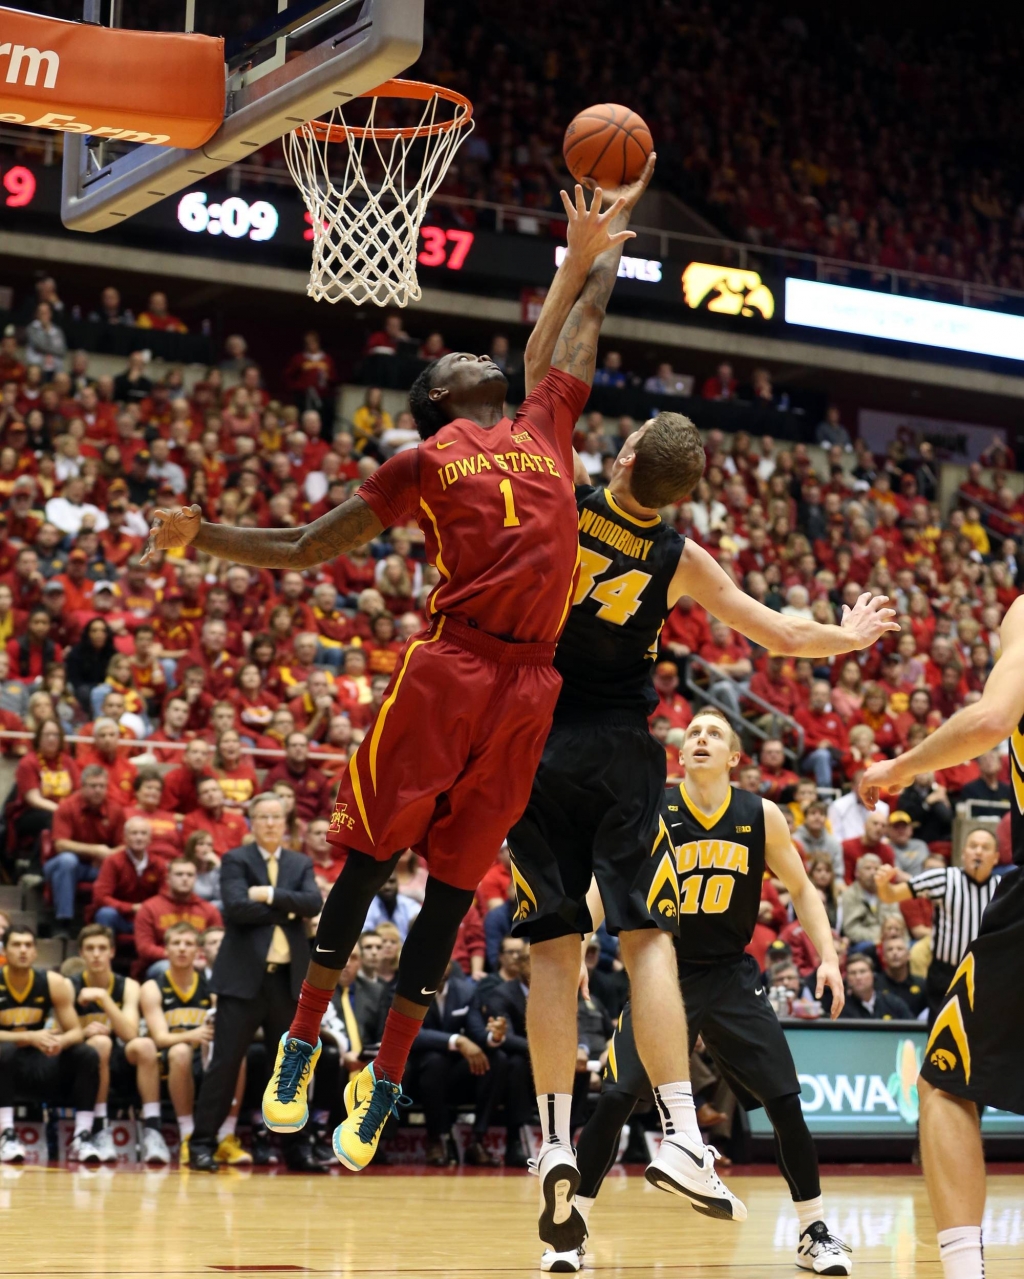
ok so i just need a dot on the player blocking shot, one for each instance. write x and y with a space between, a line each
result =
595 809
972 1058
447 765
721 840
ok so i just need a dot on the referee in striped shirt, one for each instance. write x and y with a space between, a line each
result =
960 894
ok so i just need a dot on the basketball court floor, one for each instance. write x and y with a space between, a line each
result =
168 1223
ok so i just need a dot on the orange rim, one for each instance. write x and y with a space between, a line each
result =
417 90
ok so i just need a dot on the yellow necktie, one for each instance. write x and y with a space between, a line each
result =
280 952
351 1025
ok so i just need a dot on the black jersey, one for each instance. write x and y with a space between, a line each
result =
29 1010
91 1011
719 869
185 1009
1017 808
607 650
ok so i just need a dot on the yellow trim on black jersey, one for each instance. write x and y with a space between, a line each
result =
707 820
180 993
625 515
18 999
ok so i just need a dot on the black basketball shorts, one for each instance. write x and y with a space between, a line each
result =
595 809
727 1005
977 1041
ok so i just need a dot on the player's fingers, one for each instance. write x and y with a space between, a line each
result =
581 200
613 209
819 988
838 999
862 600
648 169
570 208
595 203
879 601
846 613
620 237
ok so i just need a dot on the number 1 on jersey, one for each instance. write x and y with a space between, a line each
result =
511 518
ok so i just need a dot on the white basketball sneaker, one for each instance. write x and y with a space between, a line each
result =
687 1168
561 1225
154 1148
103 1140
563 1263
11 1149
819 1250
82 1151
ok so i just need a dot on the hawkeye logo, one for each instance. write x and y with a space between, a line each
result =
31 60
667 909
727 290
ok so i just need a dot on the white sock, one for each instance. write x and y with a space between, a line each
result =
583 1207
6 1118
100 1111
809 1211
675 1109
554 1109
961 1252
185 1126
150 1110
227 1128
83 1122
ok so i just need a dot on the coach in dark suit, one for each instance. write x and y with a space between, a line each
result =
267 891
452 1061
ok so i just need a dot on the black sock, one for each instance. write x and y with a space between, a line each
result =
794 1146
599 1141
152 1122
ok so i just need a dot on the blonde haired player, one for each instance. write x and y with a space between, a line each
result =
972 1058
719 840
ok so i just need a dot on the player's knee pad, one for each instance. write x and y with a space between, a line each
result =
431 940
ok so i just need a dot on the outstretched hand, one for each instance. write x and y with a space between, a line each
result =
173 529
631 192
868 620
588 234
830 976
887 777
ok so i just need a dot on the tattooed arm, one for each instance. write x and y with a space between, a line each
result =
566 332
348 525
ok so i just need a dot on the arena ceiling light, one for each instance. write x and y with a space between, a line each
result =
899 319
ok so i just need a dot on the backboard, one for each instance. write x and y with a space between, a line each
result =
281 70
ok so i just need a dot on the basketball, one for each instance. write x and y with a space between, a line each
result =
608 144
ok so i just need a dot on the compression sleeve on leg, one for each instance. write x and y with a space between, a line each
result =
431 940
344 912
598 1145
794 1146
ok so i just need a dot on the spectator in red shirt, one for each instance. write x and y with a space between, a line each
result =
493 889
227 827
385 341
874 714
45 775
310 373
127 879
111 757
671 703
775 776
824 734
949 696
211 655
172 729
165 841
328 860
181 783
157 316
32 652
314 710
470 951
729 653
872 841
773 686
25 580
312 788
176 903
722 386
255 706
87 827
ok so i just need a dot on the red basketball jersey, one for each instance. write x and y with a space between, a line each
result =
498 512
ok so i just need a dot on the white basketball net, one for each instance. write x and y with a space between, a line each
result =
366 225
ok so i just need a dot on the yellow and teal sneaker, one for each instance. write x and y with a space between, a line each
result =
284 1098
370 1101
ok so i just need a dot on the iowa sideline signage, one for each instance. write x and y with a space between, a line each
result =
859 1079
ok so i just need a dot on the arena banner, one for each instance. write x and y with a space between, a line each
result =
962 442
154 87
859 1079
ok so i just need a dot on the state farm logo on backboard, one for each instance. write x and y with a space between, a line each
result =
24 65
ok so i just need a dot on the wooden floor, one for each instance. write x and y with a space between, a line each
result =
169 1223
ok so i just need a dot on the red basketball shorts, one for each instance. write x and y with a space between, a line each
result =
448 764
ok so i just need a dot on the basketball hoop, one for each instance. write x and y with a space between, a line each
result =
366 222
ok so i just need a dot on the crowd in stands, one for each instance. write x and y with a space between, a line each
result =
190 685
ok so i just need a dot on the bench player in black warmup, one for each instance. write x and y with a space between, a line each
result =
46 1065
177 1008
973 1055
721 840
596 799
107 1004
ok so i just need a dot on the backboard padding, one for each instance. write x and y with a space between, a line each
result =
384 40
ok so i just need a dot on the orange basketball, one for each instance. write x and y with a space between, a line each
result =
608 144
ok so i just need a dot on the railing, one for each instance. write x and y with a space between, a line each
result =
726 252
781 723
140 744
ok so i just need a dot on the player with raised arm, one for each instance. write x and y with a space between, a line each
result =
595 808
972 1058
717 844
447 765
